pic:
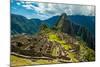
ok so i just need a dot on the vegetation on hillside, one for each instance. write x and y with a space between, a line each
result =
49 46
61 47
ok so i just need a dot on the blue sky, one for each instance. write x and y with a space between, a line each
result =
46 10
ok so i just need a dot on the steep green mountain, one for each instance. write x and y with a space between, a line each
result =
69 24
59 44
73 29
78 20
89 21
86 21
20 24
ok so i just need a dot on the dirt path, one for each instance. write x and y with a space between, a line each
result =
30 57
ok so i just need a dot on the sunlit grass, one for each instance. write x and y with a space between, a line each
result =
54 37
73 57
86 54
17 61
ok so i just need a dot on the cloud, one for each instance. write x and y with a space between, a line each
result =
83 10
27 6
57 9
52 9
71 9
18 3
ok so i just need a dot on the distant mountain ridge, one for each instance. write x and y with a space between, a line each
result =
51 21
83 26
89 22
86 21
20 24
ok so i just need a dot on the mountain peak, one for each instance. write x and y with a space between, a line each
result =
64 14
64 24
60 22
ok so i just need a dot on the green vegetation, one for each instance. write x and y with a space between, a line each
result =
54 37
17 61
83 53
86 54
50 45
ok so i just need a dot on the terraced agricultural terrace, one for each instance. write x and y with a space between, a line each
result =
48 48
